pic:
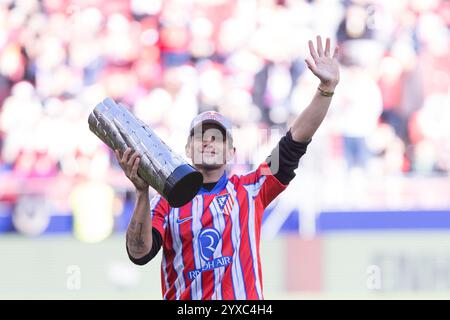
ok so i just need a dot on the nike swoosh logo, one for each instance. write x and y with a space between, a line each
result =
183 220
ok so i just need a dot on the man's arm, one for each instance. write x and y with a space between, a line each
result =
326 68
139 233
139 238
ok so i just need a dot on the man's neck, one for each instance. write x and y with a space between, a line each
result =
212 175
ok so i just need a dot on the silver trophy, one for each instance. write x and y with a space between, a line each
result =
167 172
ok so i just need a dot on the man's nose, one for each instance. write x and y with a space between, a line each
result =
208 139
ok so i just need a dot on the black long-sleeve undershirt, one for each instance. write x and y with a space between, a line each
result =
288 152
156 246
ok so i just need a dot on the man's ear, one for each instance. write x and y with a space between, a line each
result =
231 153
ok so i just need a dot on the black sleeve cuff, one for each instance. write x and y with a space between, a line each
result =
156 246
285 157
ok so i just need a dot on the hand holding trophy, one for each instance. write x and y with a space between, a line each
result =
167 172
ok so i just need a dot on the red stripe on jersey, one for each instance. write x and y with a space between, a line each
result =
258 218
207 276
250 177
248 264
270 188
159 213
227 251
186 239
170 292
245 249
163 281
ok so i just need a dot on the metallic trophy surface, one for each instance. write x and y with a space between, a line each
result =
167 172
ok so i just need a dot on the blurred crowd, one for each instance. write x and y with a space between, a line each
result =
171 59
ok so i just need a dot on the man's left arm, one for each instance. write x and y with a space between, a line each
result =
285 157
325 67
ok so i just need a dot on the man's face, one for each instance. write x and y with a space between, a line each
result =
208 147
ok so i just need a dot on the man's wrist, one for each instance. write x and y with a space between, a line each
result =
327 87
142 192
324 93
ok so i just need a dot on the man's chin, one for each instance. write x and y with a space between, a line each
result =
209 166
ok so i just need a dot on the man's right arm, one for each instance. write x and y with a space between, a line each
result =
142 241
139 233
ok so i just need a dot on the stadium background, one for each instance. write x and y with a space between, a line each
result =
368 215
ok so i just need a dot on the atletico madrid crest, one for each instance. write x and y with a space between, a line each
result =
225 203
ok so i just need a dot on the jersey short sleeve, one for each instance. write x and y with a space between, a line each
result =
267 186
159 209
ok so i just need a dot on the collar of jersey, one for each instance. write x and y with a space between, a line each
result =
220 185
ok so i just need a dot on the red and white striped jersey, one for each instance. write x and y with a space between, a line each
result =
211 244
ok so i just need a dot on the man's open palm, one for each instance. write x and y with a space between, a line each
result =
323 64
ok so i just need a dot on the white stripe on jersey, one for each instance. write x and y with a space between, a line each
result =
197 212
219 225
252 191
153 204
166 218
178 248
257 186
164 270
236 268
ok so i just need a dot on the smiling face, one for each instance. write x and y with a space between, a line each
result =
209 148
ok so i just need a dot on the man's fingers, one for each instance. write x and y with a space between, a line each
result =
312 51
327 47
319 46
132 158
116 152
135 167
336 52
310 65
125 155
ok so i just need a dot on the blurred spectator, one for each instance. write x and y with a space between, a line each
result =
358 107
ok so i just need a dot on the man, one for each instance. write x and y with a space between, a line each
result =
211 245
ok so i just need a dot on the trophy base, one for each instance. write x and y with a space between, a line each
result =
182 185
